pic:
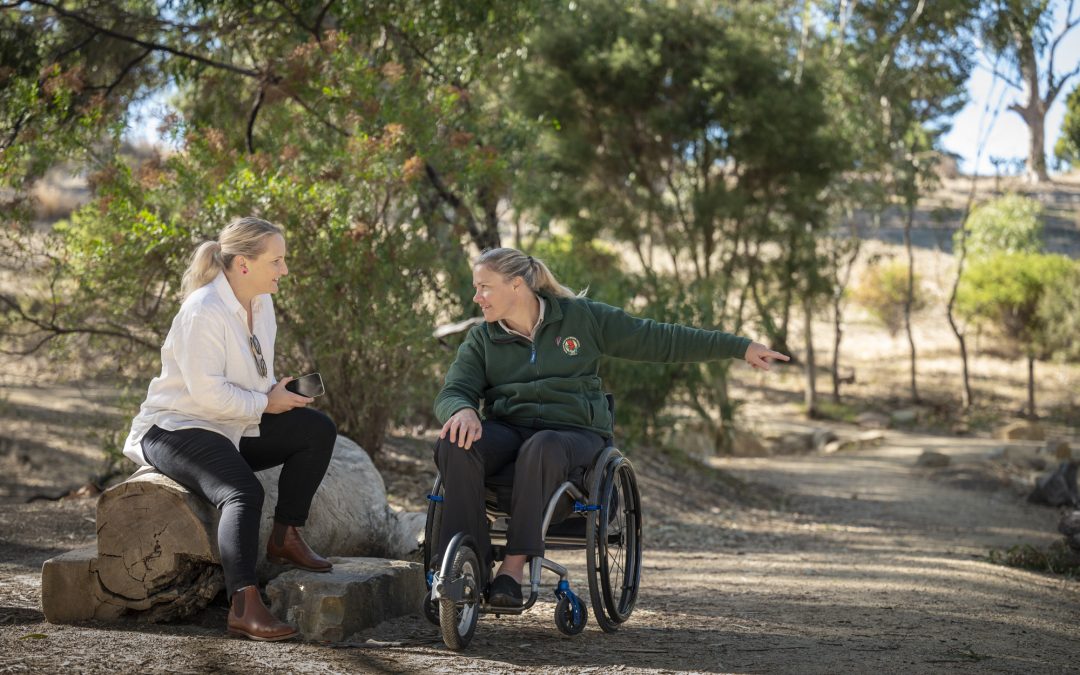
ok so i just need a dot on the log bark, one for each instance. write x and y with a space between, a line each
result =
157 542
157 547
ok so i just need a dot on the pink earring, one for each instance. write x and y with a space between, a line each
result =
243 271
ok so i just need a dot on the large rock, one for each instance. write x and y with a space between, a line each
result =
157 543
358 594
349 515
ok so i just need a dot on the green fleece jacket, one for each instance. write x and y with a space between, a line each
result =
552 383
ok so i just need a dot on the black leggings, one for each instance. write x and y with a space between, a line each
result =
205 462
543 459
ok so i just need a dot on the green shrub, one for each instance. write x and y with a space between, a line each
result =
1059 313
1008 224
1056 558
1003 292
1067 148
882 291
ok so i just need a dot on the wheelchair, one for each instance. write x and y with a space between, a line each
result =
599 512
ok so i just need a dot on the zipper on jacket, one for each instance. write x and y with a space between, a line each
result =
536 384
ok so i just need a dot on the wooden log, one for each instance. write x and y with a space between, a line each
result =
157 542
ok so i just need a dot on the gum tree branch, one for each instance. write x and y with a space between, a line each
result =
155 46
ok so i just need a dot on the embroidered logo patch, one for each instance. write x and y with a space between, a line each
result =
571 345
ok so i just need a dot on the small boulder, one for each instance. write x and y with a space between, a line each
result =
746 444
933 460
1057 488
1069 525
793 443
821 438
1021 430
870 439
1026 456
1060 450
872 420
904 416
837 446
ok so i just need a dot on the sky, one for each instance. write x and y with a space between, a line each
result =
1008 138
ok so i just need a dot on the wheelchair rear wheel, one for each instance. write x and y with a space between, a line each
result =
613 537
458 619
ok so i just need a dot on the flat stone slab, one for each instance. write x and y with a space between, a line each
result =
71 591
357 594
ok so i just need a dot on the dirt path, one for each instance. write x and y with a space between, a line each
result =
861 564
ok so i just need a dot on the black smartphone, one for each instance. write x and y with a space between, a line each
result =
307 385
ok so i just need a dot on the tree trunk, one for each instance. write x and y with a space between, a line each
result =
811 381
157 542
1033 112
909 300
838 310
966 397
838 334
1031 387
1036 123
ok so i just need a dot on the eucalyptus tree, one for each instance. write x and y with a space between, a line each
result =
1024 35
681 132
915 57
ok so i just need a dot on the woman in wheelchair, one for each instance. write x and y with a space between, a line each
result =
533 363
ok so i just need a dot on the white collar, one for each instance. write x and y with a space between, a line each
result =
532 334
225 292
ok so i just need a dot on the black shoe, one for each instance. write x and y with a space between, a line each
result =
505 592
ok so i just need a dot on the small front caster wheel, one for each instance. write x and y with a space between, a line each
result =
570 615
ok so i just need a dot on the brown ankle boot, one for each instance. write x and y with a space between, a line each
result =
248 616
287 547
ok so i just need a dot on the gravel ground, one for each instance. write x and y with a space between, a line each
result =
809 563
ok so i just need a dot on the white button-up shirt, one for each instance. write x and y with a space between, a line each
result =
208 378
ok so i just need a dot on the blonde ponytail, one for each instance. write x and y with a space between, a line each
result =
510 263
244 236
204 265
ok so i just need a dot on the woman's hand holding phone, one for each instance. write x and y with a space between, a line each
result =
283 400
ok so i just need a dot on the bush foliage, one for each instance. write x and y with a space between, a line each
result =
1008 224
1005 291
882 291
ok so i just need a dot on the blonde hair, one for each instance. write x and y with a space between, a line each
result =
244 236
510 263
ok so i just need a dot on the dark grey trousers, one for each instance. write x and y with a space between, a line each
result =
543 459
205 462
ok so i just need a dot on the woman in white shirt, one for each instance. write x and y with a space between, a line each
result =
216 415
